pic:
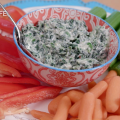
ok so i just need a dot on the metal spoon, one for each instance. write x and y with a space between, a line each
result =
18 34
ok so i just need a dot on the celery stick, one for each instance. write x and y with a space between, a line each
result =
98 11
114 20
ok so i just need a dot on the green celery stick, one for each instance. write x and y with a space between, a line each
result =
114 20
98 11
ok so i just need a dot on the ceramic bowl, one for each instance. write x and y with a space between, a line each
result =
62 77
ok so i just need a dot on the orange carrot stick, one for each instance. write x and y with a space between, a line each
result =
75 95
73 119
105 114
91 84
62 110
73 111
109 114
110 74
114 117
52 107
38 114
46 118
118 111
99 88
113 95
103 98
98 110
87 106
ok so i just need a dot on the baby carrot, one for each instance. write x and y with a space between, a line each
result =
62 110
52 107
110 74
118 111
38 114
46 118
103 98
99 88
91 84
113 95
75 95
73 111
73 119
104 112
109 114
87 106
98 110
114 117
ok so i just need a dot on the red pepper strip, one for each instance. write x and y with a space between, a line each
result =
7 37
12 61
20 92
16 8
26 80
6 25
8 46
7 70
14 103
29 85
10 87
15 12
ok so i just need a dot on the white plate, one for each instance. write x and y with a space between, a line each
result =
42 105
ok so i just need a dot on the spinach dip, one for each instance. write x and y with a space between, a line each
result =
66 44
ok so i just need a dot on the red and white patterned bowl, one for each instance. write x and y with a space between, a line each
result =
62 77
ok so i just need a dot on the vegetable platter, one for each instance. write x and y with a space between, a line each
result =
27 6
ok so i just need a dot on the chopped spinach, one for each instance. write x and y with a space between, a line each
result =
66 44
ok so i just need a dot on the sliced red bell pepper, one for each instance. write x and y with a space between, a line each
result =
20 92
10 87
6 30
21 80
14 103
16 8
6 25
8 46
6 70
8 37
12 61
29 85
15 12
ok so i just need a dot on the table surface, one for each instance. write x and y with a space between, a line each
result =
111 3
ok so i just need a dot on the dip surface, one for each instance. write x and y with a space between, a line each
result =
66 44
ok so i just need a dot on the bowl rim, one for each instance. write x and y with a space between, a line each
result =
66 70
